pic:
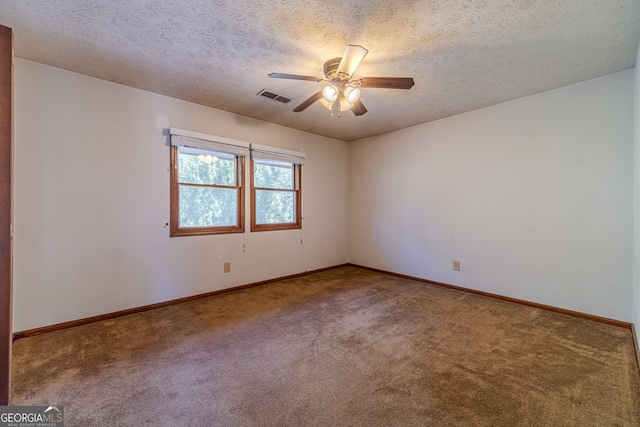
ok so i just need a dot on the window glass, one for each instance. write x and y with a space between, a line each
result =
273 207
273 175
205 167
208 207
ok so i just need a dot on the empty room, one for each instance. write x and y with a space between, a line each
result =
320 213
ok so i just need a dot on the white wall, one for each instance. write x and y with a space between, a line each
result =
636 196
92 201
532 196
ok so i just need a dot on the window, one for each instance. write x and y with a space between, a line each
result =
207 193
276 190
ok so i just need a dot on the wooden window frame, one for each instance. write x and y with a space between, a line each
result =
176 230
6 210
297 190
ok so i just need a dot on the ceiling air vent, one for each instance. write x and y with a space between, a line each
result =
275 96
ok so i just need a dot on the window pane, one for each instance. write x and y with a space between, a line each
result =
207 207
273 176
273 207
210 168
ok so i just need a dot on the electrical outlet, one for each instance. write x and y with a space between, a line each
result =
456 265
227 267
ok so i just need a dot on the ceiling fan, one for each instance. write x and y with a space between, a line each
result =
343 90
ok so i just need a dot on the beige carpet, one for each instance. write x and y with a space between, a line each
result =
341 347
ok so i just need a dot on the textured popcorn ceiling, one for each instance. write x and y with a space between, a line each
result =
462 54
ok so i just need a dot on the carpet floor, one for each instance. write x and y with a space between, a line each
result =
340 347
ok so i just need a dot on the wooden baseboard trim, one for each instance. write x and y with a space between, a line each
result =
135 310
635 343
579 314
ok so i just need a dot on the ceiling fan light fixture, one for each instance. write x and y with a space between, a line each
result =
352 94
330 93
344 104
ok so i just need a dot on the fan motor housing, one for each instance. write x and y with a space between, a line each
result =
331 67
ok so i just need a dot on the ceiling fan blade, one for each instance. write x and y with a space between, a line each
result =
388 82
351 58
358 108
294 77
307 102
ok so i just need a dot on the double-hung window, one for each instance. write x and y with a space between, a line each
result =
207 191
276 189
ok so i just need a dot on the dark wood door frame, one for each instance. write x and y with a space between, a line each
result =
6 163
